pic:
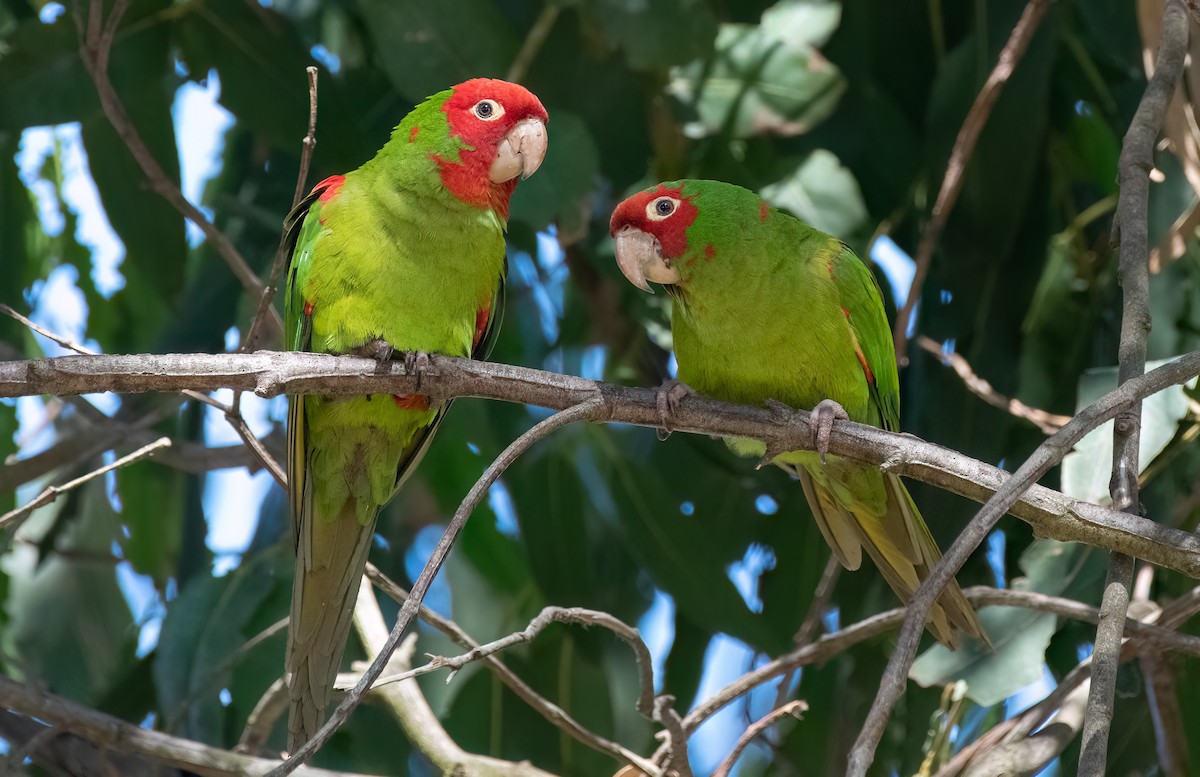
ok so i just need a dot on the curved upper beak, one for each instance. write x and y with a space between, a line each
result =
521 151
640 258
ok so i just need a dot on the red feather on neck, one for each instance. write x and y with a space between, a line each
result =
468 178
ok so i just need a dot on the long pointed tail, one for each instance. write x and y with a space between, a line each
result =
331 552
891 529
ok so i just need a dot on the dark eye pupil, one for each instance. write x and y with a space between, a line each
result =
664 207
483 110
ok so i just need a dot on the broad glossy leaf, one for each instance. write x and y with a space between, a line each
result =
205 624
69 625
768 78
822 192
1086 470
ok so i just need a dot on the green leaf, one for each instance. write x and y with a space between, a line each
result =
658 33
426 46
822 192
42 79
69 624
1019 635
761 79
204 626
1086 470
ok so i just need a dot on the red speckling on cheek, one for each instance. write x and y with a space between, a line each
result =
671 231
764 210
308 308
413 134
709 252
845 312
468 177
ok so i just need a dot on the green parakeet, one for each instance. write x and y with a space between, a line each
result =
766 307
405 253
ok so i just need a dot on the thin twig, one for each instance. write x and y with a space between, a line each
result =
831 645
1131 223
270 706
588 410
533 41
232 412
17 516
1049 423
308 145
1051 513
674 751
548 616
94 48
960 155
411 710
554 714
792 708
1047 455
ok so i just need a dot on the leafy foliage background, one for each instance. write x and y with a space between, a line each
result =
844 114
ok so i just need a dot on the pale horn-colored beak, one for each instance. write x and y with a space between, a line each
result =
640 258
520 152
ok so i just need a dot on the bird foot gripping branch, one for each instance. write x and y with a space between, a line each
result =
667 397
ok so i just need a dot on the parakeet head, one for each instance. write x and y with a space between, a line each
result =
494 135
673 232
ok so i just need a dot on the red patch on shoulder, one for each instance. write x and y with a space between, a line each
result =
862 360
709 252
690 262
468 178
308 308
329 187
413 135
481 322
845 312
671 231
411 401
764 210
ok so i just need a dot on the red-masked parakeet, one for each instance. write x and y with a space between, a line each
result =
767 308
406 253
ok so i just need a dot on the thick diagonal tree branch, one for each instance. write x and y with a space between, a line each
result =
1051 513
1132 226
1047 455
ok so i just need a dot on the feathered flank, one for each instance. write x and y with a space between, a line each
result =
766 307
406 253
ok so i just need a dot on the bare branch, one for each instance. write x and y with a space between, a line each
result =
831 645
674 750
556 715
548 616
960 155
1051 513
1049 423
792 708
17 516
1131 223
271 705
588 410
1047 455
121 737
408 706
95 47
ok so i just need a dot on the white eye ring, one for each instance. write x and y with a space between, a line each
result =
661 208
487 110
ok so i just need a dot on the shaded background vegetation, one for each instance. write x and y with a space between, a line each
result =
119 597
